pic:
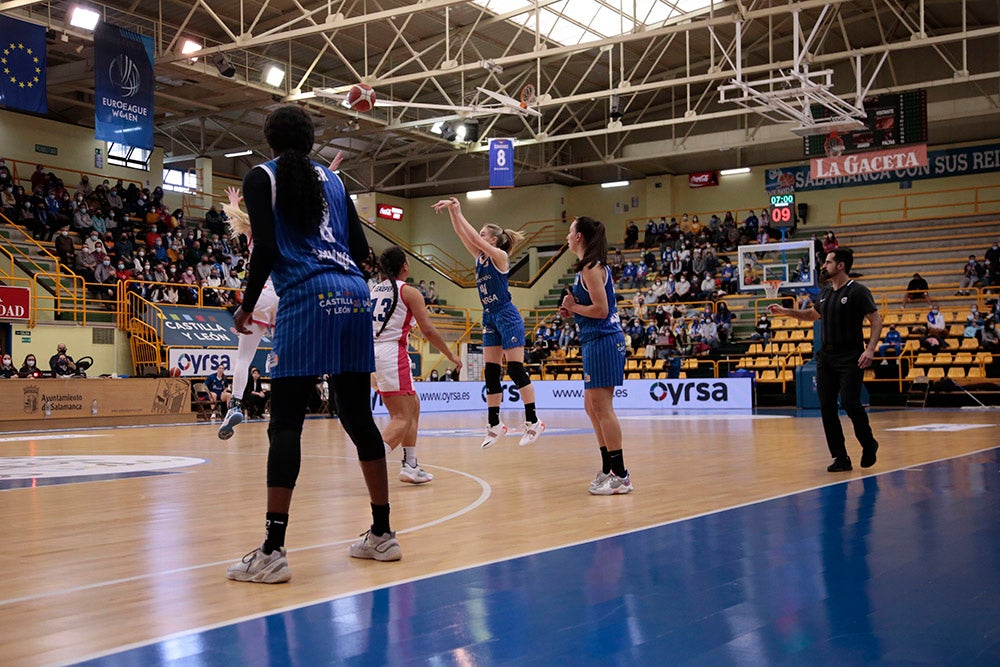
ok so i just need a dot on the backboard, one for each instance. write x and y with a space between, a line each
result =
792 262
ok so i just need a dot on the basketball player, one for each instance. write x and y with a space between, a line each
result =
263 315
395 308
602 346
843 304
308 238
503 327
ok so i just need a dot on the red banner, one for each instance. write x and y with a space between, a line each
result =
895 159
389 212
15 303
703 179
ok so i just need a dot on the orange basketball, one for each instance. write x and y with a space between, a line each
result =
361 97
175 372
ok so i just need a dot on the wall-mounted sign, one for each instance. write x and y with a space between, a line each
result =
388 212
46 150
15 303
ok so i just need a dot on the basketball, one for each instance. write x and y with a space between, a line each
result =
361 97
175 372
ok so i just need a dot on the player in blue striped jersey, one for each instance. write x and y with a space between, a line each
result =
309 240
602 346
503 326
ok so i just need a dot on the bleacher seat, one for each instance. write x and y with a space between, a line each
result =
914 373
943 359
924 359
956 372
935 373
969 344
767 376
975 372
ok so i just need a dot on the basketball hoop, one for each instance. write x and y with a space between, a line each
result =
527 96
771 288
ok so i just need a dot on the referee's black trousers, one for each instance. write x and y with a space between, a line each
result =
843 378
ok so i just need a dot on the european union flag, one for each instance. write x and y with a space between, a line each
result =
22 65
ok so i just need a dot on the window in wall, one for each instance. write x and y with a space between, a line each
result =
180 181
128 156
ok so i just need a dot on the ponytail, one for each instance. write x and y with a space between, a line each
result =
289 132
507 239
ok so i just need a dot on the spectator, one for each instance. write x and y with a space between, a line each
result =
61 363
433 377
972 275
932 343
255 396
432 298
803 301
710 332
729 278
936 326
64 248
631 235
217 388
649 236
992 262
39 179
830 243
989 340
8 202
724 321
7 369
628 275
707 291
916 289
762 330
892 344
29 368
683 288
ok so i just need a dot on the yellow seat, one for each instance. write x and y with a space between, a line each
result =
956 372
903 331
745 362
805 348
908 318
891 318
562 376
924 359
912 344
755 348
632 365
956 330
798 334
781 335
914 373
943 359
682 375
963 359
935 373
634 375
761 362
767 376
869 374
659 363
576 376
975 372
969 344
984 358
786 376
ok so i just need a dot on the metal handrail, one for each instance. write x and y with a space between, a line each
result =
975 204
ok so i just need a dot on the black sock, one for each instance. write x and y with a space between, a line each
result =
380 519
529 413
605 460
494 415
275 525
617 463
235 403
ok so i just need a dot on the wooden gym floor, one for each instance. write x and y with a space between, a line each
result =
117 543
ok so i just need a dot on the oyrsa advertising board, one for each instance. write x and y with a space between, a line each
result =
15 303
687 394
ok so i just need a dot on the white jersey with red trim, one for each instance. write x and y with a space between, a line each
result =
400 320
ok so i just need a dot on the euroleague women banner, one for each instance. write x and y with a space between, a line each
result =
123 86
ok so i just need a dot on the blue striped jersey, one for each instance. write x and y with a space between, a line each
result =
306 256
590 327
492 284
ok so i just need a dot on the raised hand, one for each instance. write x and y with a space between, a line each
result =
234 196
337 159
446 204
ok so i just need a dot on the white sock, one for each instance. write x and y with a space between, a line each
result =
388 449
410 455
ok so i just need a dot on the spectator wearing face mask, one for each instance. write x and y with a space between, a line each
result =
7 369
64 247
105 276
61 363
29 368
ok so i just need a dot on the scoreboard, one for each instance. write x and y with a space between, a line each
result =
782 211
893 119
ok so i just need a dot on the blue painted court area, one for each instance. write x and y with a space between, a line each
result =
901 568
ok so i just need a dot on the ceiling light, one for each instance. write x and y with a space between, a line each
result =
468 131
614 184
478 194
436 127
82 17
190 46
240 153
273 75
733 172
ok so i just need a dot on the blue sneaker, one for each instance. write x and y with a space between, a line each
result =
233 418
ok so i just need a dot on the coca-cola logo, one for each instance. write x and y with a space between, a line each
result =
387 212
703 178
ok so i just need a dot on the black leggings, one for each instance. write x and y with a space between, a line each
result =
289 398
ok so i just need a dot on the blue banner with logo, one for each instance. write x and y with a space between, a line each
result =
501 163
22 63
123 86
940 164
190 326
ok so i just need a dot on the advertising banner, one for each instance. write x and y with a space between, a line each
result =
15 303
501 163
871 162
940 164
703 179
197 362
698 394
189 326
46 399
123 86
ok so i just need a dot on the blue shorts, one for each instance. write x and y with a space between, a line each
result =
503 327
604 361
324 325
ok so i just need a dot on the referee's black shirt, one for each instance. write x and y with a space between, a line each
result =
842 314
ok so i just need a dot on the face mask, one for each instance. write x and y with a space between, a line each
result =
173 270
121 267
146 266
64 233
29 363
106 263
6 362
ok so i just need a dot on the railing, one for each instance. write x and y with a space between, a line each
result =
18 169
883 296
979 200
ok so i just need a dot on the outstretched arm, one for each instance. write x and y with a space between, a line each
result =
473 242
806 314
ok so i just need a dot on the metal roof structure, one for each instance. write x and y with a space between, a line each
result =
626 88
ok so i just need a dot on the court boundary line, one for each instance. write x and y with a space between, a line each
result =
362 591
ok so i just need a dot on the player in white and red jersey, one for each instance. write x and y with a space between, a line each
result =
396 307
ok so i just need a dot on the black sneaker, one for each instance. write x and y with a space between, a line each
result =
868 457
842 464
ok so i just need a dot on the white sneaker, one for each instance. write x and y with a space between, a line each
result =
494 433
383 548
597 481
233 417
414 474
261 568
531 432
613 485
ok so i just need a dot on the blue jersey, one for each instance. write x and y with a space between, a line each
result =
492 283
592 328
327 249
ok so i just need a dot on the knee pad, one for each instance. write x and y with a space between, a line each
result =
493 373
515 369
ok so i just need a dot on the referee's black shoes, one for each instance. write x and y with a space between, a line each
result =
841 464
868 455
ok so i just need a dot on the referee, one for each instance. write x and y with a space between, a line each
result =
843 305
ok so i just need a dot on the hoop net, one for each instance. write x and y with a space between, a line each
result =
527 96
771 288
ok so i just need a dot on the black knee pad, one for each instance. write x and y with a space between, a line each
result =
493 373
284 456
515 369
